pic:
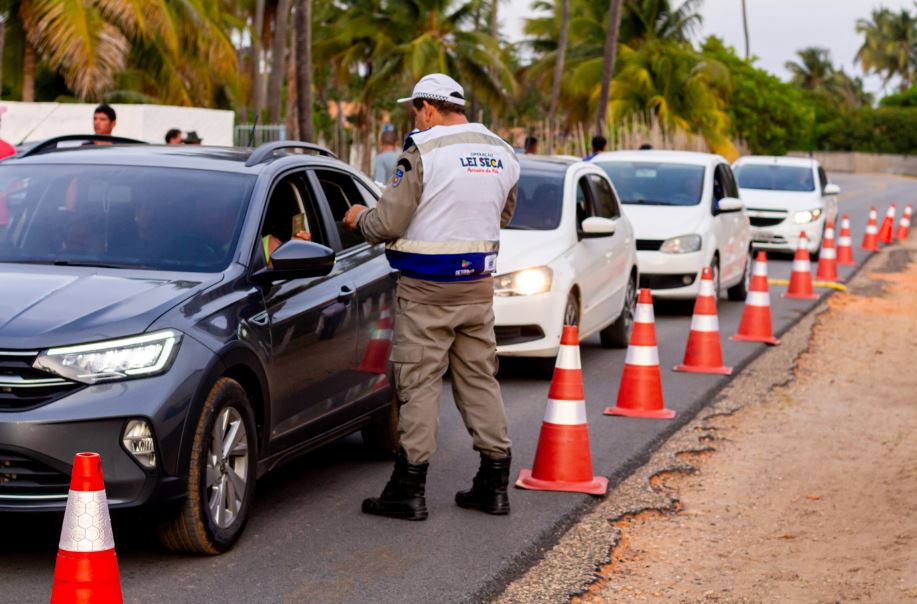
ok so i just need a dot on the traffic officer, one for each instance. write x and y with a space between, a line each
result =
453 188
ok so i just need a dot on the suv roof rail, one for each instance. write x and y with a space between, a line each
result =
50 145
265 151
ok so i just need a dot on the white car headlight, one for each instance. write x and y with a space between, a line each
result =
806 216
524 283
683 244
138 356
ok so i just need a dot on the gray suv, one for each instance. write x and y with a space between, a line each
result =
157 306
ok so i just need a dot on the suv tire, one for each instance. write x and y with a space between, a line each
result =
739 291
617 335
193 528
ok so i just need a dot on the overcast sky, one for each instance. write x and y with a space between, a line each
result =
777 28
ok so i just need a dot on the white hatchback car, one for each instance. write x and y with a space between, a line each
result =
687 214
783 196
567 258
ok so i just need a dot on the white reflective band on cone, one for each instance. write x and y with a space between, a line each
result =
382 334
567 413
845 242
760 269
644 314
829 253
646 356
801 266
845 225
758 299
86 524
905 222
829 233
872 229
568 357
891 212
705 323
706 288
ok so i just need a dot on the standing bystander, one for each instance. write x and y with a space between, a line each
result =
384 165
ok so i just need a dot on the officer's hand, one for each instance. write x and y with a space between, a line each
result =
350 218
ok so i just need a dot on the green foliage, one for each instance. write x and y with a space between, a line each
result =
771 116
883 130
908 98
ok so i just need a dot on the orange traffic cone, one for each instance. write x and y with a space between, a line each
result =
87 568
801 277
845 244
885 231
870 237
904 225
379 347
827 259
563 461
755 325
640 393
704 354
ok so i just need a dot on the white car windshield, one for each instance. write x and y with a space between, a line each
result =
775 178
539 201
656 183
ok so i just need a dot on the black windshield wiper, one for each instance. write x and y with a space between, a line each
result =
520 227
653 202
93 264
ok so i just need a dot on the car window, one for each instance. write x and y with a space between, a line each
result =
720 183
770 177
583 202
656 183
539 201
606 205
341 192
291 209
822 178
121 216
732 188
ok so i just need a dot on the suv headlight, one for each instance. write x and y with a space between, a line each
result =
138 356
806 216
683 244
524 283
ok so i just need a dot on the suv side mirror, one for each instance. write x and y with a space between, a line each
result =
832 189
297 259
729 204
596 226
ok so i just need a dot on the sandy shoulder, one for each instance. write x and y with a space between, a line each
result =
811 493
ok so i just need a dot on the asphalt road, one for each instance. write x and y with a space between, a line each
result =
308 542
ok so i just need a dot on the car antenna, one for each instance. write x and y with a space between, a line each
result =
40 122
251 138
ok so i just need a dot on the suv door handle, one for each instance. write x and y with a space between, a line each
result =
346 294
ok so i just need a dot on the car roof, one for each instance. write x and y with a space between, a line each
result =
221 159
803 162
544 163
664 156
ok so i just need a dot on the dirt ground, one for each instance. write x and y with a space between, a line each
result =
810 495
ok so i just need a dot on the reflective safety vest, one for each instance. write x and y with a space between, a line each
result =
468 172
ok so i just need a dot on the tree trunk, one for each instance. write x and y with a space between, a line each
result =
2 41
745 25
28 73
558 72
494 33
278 61
256 98
608 68
291 121
304 68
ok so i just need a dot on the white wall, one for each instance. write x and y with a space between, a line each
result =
40 121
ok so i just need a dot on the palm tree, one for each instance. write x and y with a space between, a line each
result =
890 45
647 19
745 29
278 61
304 68
558 72
814 71
608 63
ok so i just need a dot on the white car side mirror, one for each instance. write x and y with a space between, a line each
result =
597 226
729 204
832 189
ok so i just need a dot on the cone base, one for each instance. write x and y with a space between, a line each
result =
722 370
800 296
644 413
597 486
770 341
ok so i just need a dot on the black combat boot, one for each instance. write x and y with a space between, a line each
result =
403 496
488 490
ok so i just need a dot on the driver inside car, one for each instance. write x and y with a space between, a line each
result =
285 211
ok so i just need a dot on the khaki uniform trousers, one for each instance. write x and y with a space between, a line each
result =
428 339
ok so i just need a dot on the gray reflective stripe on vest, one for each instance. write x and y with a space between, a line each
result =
462 138
443 247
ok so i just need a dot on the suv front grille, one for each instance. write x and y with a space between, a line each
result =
23 478
23 387
765 218
649 245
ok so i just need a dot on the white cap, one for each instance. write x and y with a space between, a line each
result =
437 87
